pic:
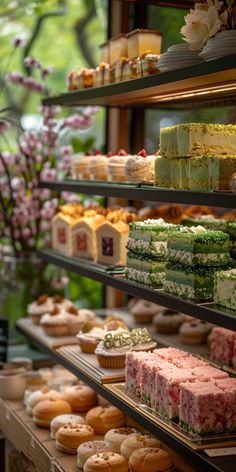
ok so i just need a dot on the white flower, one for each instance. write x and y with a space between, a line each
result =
200 25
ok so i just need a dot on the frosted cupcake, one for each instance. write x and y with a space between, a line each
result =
97 166
79 167
140 168
62 323
116 165
39 307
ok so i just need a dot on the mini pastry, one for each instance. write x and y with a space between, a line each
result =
97 166
46 410
168 321
112 323
194 332
106 462
88 78
116 436
80 397
138 441
89 319
62 323
150 459
90 448
111 239
104 418
143 41
140 168
111 352
62 420
83 235
79 167
40 395
118 48
38 308
143 311
89 341
70 436
116 166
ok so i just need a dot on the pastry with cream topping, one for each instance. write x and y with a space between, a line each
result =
140 168
116 166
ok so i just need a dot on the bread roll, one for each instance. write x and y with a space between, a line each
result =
116 436
104 418
70 436
80 397
138 441
88 449
46 410
150 459
39 395
61 420
106 462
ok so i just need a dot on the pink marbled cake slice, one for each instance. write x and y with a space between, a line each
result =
222 342
189 362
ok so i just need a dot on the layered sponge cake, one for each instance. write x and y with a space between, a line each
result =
149 237
145 270
225 288
198 139
196 246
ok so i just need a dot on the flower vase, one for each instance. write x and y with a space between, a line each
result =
222 44
21 281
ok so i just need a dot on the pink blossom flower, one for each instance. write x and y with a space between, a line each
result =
31 62
70 197
26 233
45 225
66 151
46 71
90 111
17 42
32 84
15 78
45 194
17 183
3 127
48 174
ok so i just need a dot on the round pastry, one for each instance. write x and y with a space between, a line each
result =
80 397
112 323
171 213
104 418
106 462
97 166
54 323
46 410
89 319
150 459
39 395
116 436
116 165
138 441
143 311
232 182
70 436
61 420
43 304
88 449
194 332
168 321
89 341
140 168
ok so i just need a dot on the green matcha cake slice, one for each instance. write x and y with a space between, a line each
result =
145 270
163 172
220 170
184 173
199 176
208 222
168 141
197 246
225 288
149 237
196 283
176 173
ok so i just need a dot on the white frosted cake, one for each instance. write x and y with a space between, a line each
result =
192 139
140 168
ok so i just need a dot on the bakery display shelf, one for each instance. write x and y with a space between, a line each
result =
207 312
35 443
209 81
143 192
112 394
164 3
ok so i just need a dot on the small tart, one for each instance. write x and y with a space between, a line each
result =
143 311
168 321
194 332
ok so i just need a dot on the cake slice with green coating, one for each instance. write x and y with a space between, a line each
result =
145 270
194 283
197 246
149 237
225 288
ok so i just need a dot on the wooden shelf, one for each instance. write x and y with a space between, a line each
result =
212 81
143 192
186 4
65 357
207 312
35 443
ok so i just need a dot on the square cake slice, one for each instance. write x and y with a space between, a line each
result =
222 344
196 246
225 288
145 270
149 237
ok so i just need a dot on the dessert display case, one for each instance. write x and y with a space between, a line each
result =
210 83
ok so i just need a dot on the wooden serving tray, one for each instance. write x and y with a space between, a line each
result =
89 365
37 332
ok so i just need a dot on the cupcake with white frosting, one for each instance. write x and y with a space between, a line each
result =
116 165
140 168
43 304
97 166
